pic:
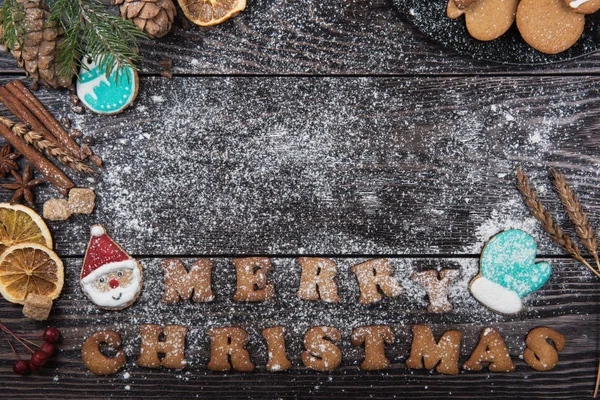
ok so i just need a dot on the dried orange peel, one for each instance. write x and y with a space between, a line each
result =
20 224
211 12
30 268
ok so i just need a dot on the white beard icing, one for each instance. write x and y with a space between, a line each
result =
118 297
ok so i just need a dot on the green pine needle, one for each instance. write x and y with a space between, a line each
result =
90 30
13 30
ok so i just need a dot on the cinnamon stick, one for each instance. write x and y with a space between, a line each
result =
18 89
19 110
41 163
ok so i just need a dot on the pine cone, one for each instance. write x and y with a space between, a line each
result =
152 16
37 52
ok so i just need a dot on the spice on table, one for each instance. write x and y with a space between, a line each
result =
49 147
41 114
23 185
37 159
7 160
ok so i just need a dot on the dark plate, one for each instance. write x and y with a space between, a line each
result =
430 17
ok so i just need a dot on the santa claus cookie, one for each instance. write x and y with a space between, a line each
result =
110 277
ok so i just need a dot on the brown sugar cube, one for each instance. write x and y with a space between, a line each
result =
82 201
37 307
56 210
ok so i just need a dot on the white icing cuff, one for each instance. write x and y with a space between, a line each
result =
496 297
98 230
107 268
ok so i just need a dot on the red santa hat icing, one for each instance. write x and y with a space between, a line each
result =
103 256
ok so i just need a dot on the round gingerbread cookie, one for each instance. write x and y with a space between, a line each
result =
489 19
549 26
102 94
584 6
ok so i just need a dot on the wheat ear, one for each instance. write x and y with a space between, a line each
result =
585 232
51 149
548 223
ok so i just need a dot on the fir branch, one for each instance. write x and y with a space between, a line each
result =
13 30
585 232
550 226
93 31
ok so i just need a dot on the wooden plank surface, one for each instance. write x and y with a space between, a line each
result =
568 303
349 37
249 165
335 129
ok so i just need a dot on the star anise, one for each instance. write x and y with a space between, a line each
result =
23 185
7 160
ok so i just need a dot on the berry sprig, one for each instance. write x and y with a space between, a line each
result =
39 357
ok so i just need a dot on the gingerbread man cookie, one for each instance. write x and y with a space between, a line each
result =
584 6
549 26
486 19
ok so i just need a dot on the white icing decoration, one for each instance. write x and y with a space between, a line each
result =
496 297
98 230
577 3
122 294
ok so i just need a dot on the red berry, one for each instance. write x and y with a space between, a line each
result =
21 367
32 366
47 348
51 335
39 358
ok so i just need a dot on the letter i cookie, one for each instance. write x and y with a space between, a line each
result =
508 272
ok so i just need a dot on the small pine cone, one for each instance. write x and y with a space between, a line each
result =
37 52
154 17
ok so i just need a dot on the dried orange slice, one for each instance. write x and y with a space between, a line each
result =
211 12
20 224
30 268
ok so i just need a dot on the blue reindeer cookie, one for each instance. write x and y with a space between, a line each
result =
104 95
508 272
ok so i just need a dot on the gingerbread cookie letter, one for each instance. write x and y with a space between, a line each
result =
98 363
374 338
173 346
275 337
321 354
252 279
180 284
316 281
229 343
109 277
426 353
373 274
436 288
539 354
491 348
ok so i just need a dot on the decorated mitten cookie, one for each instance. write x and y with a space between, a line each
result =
104 95
584 6
110 277
508 272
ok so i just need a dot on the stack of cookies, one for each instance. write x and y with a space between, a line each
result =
549 26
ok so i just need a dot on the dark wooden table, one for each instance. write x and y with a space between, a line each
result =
328 128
